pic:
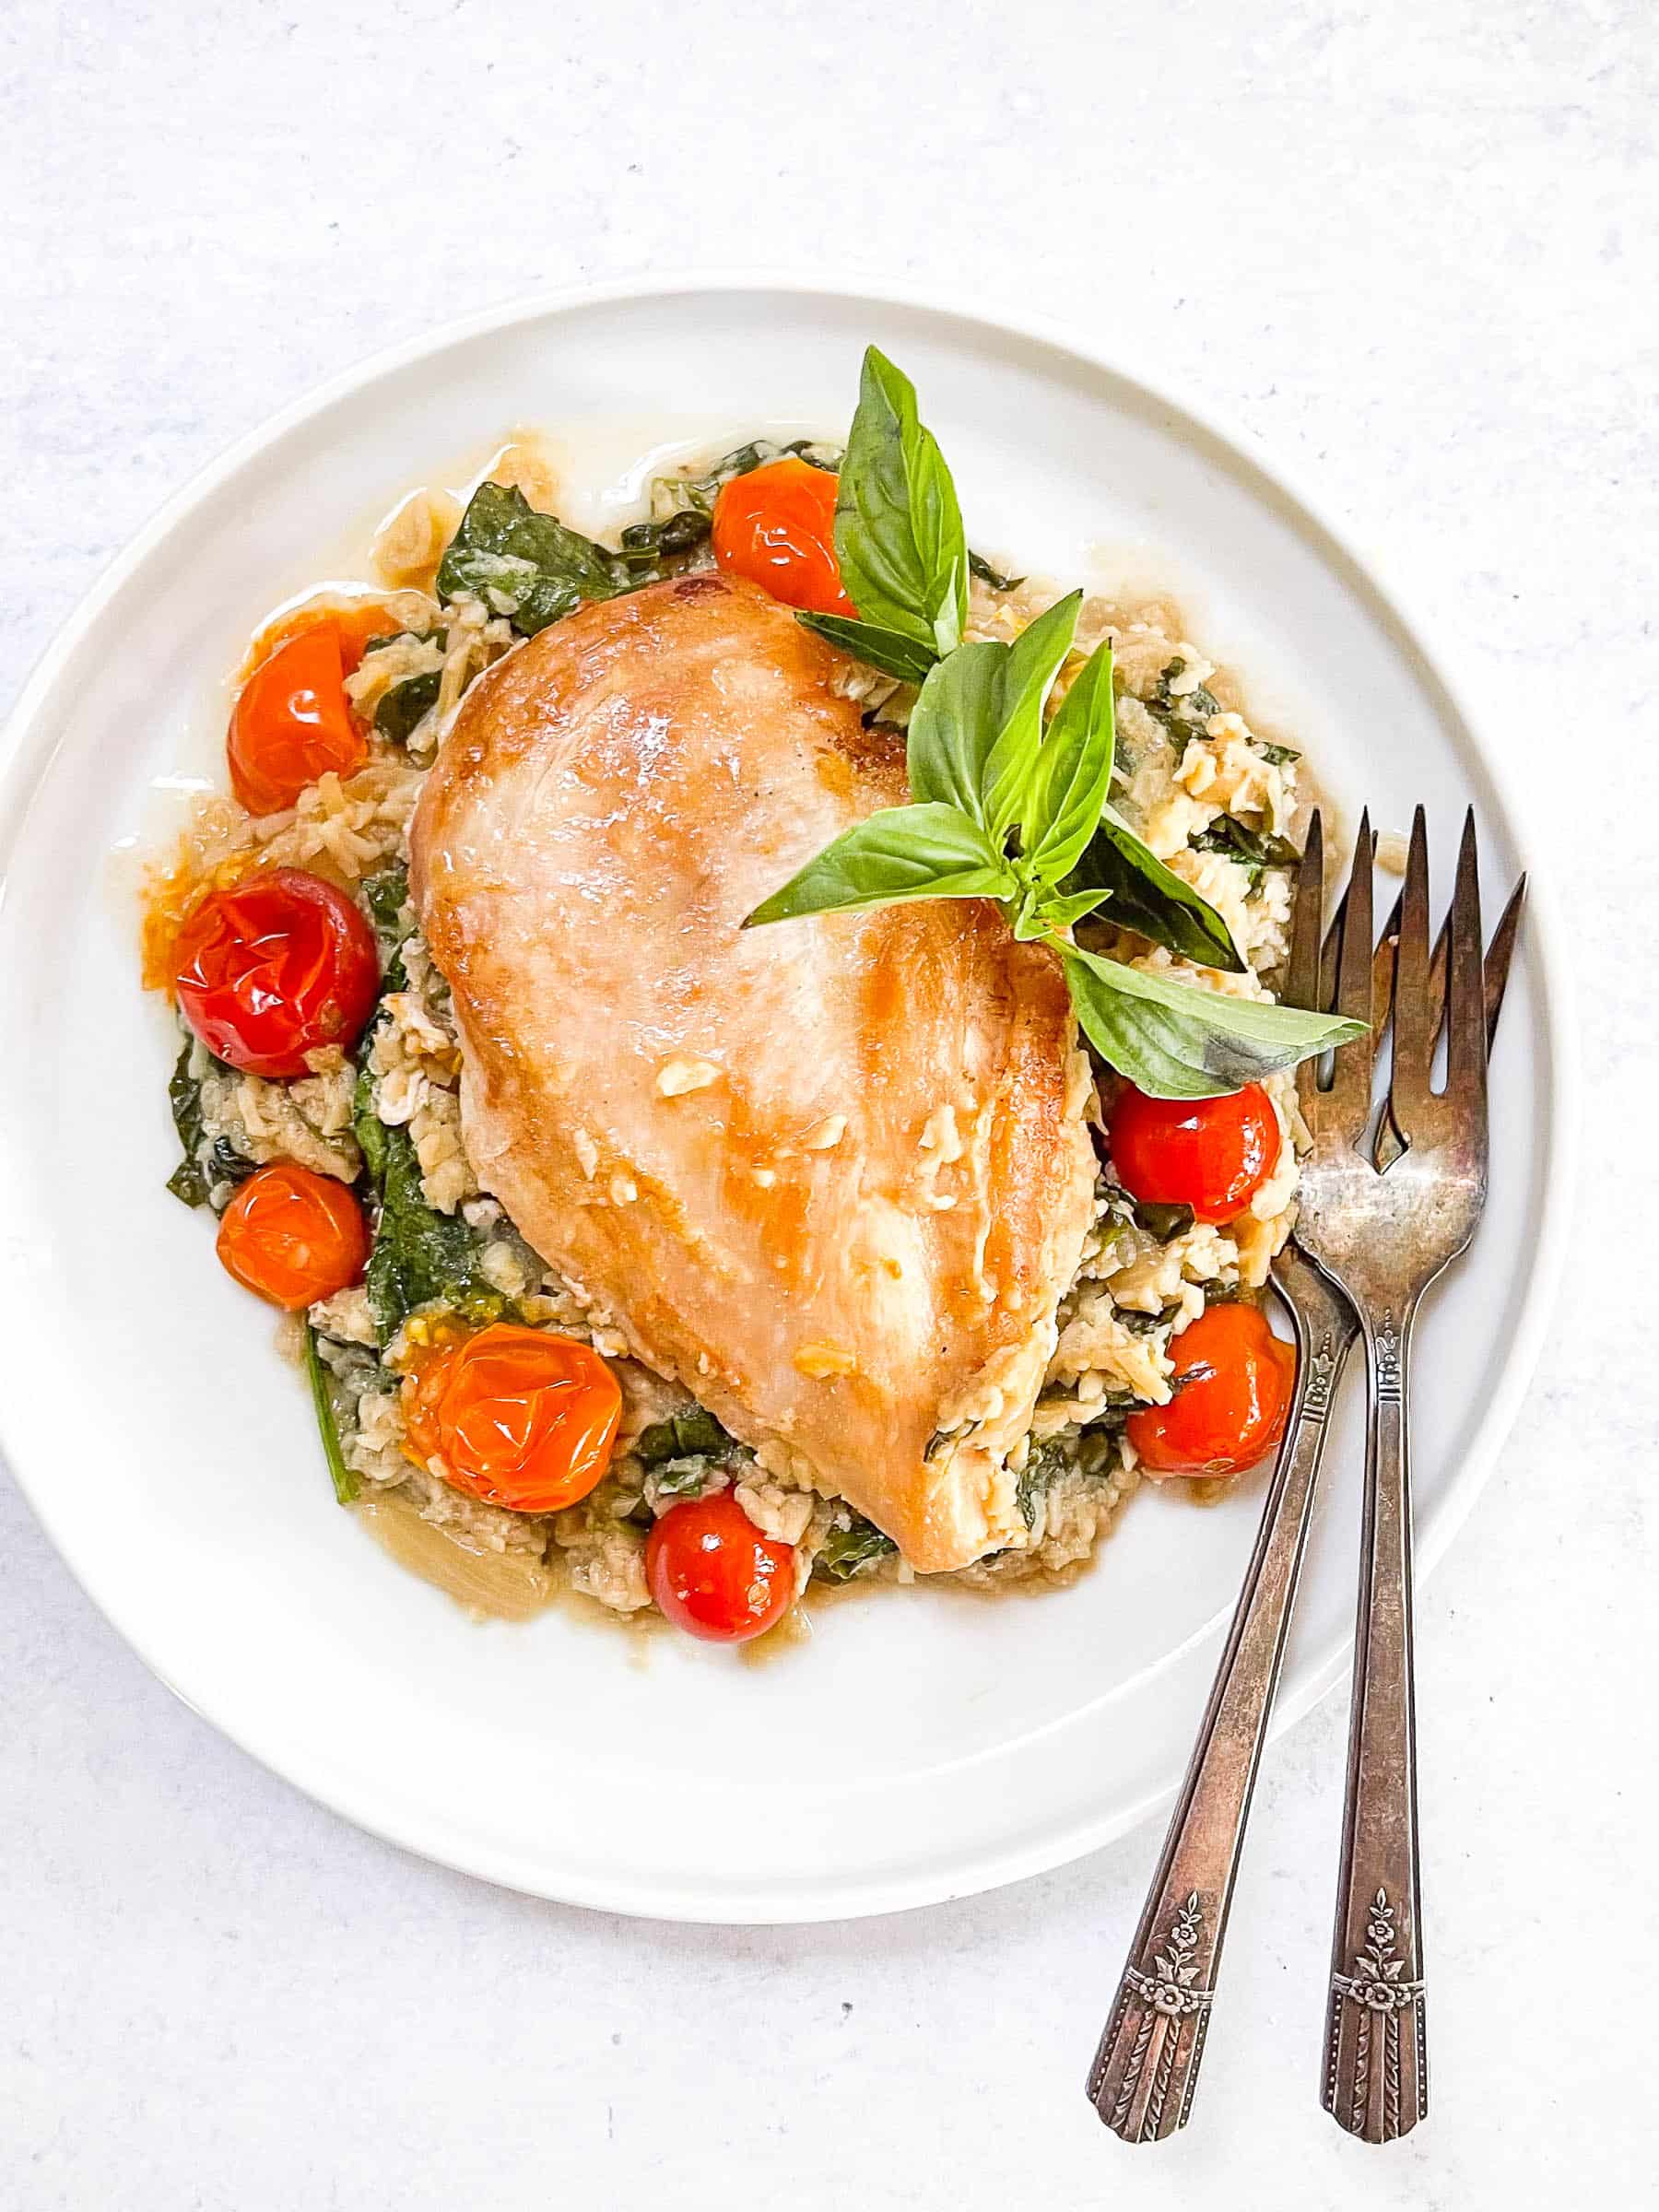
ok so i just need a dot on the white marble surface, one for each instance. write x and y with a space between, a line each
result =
1410 243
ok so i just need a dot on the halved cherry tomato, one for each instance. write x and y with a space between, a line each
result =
776 527
1233 1387
517 1416
1211 1154
274 967
353 622
293 1237
714 1574
291 723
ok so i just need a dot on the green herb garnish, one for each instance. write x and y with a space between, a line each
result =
898 540
1008 806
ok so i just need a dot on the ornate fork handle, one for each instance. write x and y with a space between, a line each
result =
1376 2072
1147 2067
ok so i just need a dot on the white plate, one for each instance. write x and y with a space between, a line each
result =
925 1745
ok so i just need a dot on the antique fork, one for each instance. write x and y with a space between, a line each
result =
1384 1222
1145 2068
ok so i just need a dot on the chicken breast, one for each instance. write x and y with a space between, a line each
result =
832 1174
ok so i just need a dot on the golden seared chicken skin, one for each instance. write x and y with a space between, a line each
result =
832 1174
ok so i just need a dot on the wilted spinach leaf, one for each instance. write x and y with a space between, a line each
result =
1253 849
978 566
505 553
645 544
405 705
681 1478
1161 1221
420 1256
193 1178
691 1433
1043 1462
328 1427
847 1552
385 894
1196 705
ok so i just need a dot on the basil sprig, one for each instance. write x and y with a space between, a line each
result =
899 537
1007 805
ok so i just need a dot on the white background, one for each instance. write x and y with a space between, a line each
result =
1410 243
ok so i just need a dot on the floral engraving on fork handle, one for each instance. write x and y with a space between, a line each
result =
1378 1988
1323 1364
1169 1997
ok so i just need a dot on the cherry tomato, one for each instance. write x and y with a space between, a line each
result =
293 1237
517 1416
291 723
714 1574
353 622
1232 1385
1211 1154
274 967
776 527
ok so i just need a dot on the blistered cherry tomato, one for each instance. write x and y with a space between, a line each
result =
1211 1154
776 527
275 967
714 1574
517 1416
293 1237
1232 1384
353 622
291 723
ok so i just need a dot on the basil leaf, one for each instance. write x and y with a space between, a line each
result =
930 852
1061 911
899 535
976 729
1276 755
1028 673
888 650
1073 773
1151 899
1178 1041
328 1428
525 564
952 728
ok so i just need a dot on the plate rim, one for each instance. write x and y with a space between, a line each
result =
28 742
